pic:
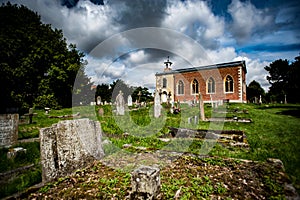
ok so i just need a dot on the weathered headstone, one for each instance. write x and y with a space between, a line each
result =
47 110
190 120
157 106
196 119
260 100
30 114
145 183
201 107
120 103
129 100
98 100
69 145
13 152
8 129
101 112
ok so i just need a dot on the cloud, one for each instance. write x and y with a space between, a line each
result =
195 19
247 20
256 71
139 13
116 36
85 24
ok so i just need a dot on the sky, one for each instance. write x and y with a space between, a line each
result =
130 39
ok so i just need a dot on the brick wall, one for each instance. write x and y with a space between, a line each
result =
219 72
202 76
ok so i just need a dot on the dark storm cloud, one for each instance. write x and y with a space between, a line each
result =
253 30
72 3
140 13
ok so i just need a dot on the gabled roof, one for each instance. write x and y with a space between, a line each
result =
192 69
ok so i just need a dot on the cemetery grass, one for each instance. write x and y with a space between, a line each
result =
274 133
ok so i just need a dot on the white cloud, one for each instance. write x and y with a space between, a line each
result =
195 19
247 20
138 57
222 55
255 71
86 24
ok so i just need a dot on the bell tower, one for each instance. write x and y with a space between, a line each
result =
168 64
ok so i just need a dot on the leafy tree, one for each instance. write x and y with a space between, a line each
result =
145 94
37 67
254 90
293 89
104 92
120 85
285 80
109 92
278 78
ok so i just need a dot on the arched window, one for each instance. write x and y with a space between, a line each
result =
195 87
211 88
180 87
228 84
164 83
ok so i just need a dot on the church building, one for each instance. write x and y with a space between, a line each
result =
218 82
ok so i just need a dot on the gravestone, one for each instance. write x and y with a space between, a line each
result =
157 106
101 112
201 107
129 100
69 145
30 114
8 129
98 100
196 119
120 103
145 183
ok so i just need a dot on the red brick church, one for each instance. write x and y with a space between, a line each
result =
218 82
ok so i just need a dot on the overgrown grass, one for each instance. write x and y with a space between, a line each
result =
21 182
274 132
31 156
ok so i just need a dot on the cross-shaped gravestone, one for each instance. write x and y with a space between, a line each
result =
30 114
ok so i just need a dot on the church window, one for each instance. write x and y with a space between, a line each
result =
228 84
164 83
211 88
180 87
195 87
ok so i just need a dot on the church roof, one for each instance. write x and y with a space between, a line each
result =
214 66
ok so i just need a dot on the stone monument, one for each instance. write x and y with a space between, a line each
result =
8 129
98 100
120 104
129 100
157 106
69 145
145 183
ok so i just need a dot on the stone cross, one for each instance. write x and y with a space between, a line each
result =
120 103
30 114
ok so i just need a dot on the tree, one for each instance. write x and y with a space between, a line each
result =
293 88
104 92
145 94
37 66
120 85
254 91
278 78
285 80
